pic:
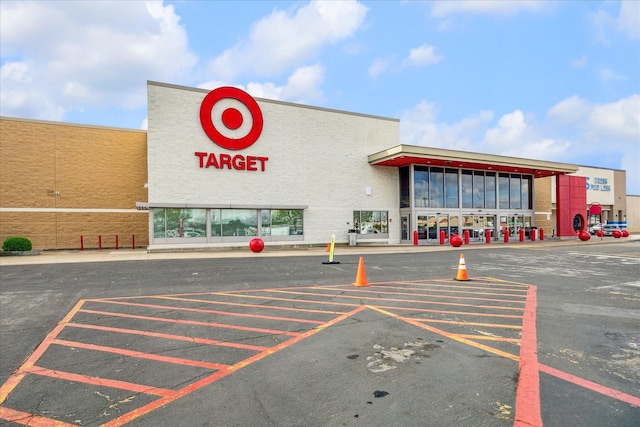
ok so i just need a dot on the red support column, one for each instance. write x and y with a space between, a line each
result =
466 237
99 242
506 235
442 237
82 243
488 234
116 242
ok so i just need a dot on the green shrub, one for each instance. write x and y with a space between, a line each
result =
16 244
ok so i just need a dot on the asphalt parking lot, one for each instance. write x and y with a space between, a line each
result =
539 334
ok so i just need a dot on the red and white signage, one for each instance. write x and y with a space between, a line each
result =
232 119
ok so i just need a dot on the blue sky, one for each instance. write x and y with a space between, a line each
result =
555 81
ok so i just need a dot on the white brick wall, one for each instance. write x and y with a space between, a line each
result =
317 158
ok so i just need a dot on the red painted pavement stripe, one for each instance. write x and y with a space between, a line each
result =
15 379
141 355
169 336
30 420
190 322
528 393
223 313
128 417
102 382
615 394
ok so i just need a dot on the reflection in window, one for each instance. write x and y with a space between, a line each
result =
170 223
527 202
239 222
404 187
467 189
216 223
490 190
514 185
371 222
451 188
478 189
436 188
421 186
503 191
286 222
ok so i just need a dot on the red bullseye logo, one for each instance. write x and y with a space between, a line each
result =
231 118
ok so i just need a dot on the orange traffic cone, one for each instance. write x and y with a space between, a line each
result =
462 269
361 277
328 247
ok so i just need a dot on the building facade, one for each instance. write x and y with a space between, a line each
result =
219 168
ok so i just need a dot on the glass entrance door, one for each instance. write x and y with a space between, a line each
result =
405 226
443 225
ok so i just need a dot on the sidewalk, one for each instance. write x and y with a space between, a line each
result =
107 255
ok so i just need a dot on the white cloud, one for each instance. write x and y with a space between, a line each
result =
615 125
580 62
419 126
285 39
303 86
443 8
423 55
379 66
87 53
629 20
575 131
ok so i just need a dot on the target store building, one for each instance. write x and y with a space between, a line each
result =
219 168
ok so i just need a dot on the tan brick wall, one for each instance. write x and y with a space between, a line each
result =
542 203
90 168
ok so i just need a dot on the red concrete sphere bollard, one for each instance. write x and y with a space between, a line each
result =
256 245
600 233
625 233
616 234
584 235
455 241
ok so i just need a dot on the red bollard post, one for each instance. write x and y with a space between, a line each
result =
532 234
133 241
506 235
488 234
116 242
542 234
99 242
442 237
521 235
466 237
415 237
81 243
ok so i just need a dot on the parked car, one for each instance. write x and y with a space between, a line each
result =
608 229
593 228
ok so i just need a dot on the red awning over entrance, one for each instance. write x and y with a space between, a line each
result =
405 155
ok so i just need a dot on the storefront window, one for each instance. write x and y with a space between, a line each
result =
239 222
436 188
159 223
451 188
503 190
515 201
216 223
285 222
467 189
183 223
490 190
421 186
478 189
371 222
527 202
405 187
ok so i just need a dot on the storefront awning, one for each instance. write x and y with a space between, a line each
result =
404 155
